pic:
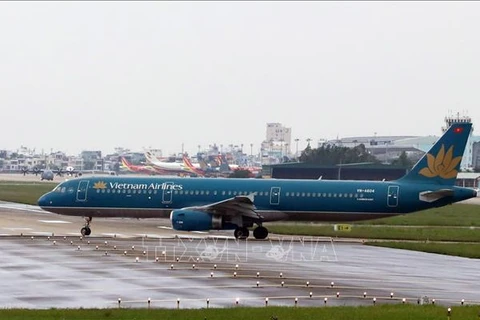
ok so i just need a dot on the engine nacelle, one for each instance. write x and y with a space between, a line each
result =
190 220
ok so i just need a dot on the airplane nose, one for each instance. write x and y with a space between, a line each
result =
43 201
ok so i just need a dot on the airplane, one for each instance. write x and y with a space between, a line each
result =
191 167
170 167
196 204
140 169
48 174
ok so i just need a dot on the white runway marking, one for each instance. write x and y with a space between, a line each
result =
17 229
163 227
54 221
149 235
23 209
113 235
40 233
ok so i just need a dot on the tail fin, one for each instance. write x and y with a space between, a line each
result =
441 163
187 163
125 163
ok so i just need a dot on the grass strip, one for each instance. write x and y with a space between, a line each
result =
462 234
467 250
27 193
379 312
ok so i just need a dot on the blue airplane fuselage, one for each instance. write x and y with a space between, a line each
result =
316 200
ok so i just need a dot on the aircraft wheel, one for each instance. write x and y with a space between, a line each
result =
85 231
260 233
241 233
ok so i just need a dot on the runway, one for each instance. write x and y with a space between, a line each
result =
45 263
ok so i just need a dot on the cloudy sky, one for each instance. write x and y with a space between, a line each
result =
96 75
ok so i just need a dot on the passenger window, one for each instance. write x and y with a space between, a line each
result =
298 194
361 195
334 195
125 191
355 195
314 194
223 193
207 192
229 193
155 191
98 190
196 192
108 191
129 191
191 192
103 190
329 195
350 195
324 194
287 194
215 192
345 195
308 194
234 193
202 192
340 195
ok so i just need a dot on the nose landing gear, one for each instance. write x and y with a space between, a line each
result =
86 231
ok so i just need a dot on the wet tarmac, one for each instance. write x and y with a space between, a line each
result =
45 263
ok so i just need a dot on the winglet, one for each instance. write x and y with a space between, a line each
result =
440 165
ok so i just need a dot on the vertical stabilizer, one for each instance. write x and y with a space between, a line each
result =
441 163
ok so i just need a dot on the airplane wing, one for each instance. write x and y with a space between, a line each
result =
239 205
431 196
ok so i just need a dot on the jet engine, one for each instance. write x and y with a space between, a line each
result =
191 220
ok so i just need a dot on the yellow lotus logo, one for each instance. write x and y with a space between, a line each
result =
100 185
442 165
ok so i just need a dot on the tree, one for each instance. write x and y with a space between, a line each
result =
332 155
402 161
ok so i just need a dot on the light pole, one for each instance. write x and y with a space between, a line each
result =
308 142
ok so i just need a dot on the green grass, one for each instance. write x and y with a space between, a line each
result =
381 232
468 250
452 215
24 192
380 312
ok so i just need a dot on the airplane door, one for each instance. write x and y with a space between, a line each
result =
82 190
167 193
275 195
392 196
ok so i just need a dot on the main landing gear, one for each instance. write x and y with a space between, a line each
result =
86 231
259 233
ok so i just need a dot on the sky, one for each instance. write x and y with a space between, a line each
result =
97 75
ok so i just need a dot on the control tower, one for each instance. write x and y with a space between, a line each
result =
461 118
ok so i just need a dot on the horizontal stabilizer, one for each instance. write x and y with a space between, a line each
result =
431 196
